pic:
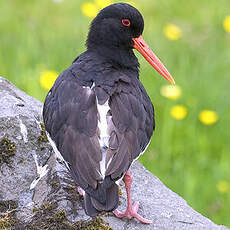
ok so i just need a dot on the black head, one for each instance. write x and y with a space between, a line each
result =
112 30
113 34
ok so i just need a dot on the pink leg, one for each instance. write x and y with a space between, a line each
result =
80 191
132 209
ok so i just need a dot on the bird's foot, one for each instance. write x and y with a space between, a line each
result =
131 212
80 191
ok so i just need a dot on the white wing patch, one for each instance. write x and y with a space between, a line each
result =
102 124
56 151
103 134
142 152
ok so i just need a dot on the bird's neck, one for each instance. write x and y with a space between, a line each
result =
117 56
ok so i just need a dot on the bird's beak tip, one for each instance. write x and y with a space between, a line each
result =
172 81
141 46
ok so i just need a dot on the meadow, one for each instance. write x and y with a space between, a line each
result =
190 149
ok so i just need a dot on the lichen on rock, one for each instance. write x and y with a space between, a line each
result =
42 137
7 150
48 216
7 214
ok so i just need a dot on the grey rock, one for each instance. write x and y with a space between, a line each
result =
37 181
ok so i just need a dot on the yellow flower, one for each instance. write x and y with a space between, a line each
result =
178 112
47 79
103 3
223 186
226 23
172 32
171 91
90 9
208 117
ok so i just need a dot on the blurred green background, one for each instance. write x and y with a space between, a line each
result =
191 158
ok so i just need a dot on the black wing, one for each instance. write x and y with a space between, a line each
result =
130 124
70 117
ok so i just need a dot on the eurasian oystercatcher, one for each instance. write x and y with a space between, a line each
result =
98 112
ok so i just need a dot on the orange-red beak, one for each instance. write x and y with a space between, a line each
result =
142 47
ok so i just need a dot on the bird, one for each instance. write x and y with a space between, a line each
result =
99 115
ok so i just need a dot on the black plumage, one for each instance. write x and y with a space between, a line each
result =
107 72
71 117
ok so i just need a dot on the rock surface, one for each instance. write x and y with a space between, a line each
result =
37 192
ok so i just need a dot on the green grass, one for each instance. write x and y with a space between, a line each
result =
187 156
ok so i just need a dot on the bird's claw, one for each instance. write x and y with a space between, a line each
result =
131 212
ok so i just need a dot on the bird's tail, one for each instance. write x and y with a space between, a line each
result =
110 201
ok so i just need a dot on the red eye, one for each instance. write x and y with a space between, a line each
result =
126 22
